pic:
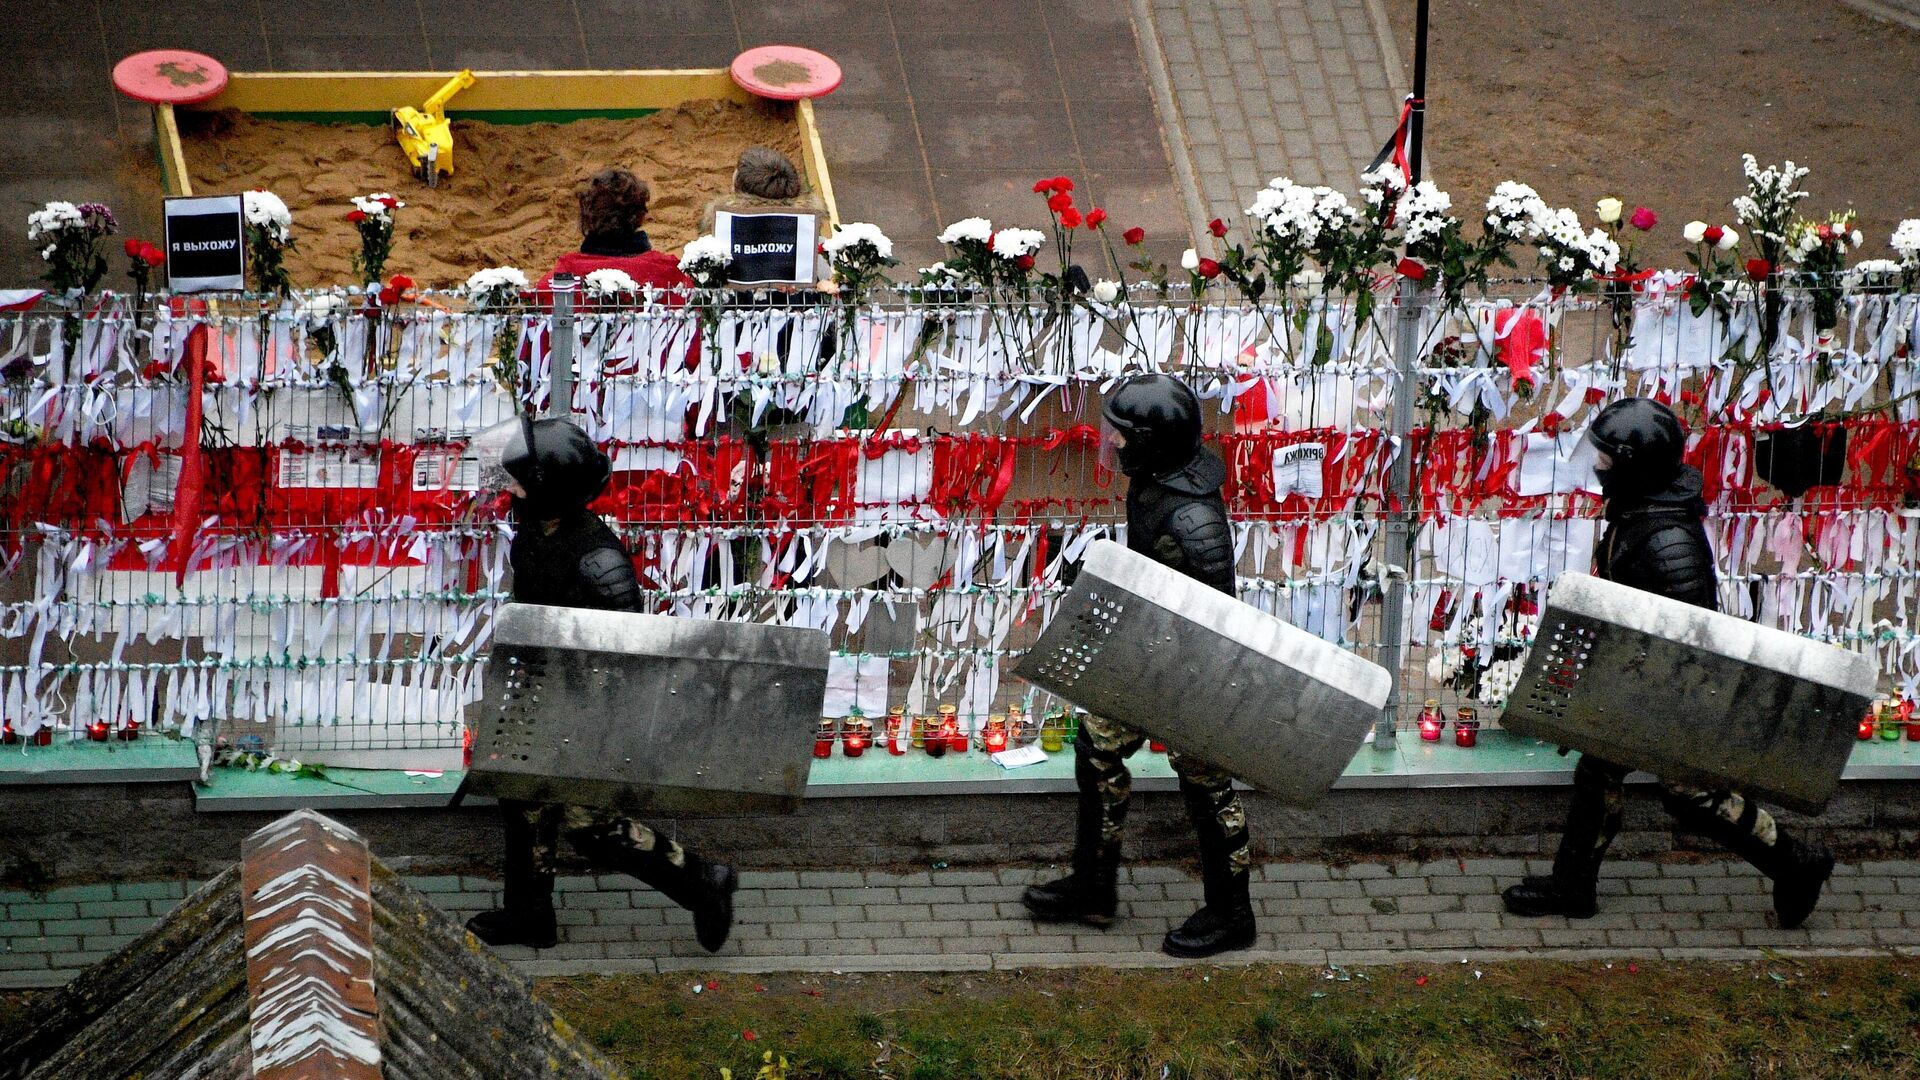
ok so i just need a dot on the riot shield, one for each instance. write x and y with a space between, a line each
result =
1690 695
1207 675
648 713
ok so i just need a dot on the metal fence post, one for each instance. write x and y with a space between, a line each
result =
560 347
1401 511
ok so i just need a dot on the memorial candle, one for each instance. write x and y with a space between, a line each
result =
823 739
1466 728
1431 722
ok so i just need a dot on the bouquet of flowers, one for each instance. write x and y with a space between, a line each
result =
972 261
1711 260
1906 244
372 217
609 286
1767 207
1820 247
858 253
1293 219
705 259
1013 254
142 259
492 292
1570 256
269 226
71 237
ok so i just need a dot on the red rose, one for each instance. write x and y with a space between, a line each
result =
1713 234
1096 217
1042 187
1209 269
1024 262
1059 202
1217 227
151 255
1062 185
1069 218
356 216
133 248
1643 218
1412 269
401 282
1135 235
389 201
1825 232
1758 269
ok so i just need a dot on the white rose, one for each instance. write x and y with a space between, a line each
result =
1609 210
1855 237
1189 260
1729 239
1108 291
1695 231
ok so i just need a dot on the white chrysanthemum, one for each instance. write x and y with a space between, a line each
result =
1873 271
973 228
940 276
1423 212
53 218
495 277
1013 243
1378 183
1906 242
610 282
705 252
1602 253
855 233
1108 291
265 210
1515 210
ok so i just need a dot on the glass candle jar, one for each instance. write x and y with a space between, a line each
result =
1431 722
897 735
97 731
1466 728
858 737
1053 731
994 738
823 738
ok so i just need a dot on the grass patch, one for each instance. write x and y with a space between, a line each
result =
1784 1018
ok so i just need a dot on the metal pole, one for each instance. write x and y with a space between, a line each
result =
1401 512
560 347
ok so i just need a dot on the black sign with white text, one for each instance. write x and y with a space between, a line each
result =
206 244
768 249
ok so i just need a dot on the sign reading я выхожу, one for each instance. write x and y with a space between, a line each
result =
768 248
206 244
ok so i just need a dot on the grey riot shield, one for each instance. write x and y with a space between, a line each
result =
1690 695
1207 675
648 713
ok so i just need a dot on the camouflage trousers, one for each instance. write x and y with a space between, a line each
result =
534 831
1106 787
1599 805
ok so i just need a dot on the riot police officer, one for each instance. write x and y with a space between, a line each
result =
1655 541
1175 515
563 555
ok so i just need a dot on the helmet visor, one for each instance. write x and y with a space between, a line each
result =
1111 440
491 449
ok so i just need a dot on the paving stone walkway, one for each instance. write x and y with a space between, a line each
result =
952 920
1255 89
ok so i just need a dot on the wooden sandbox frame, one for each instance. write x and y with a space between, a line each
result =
499 97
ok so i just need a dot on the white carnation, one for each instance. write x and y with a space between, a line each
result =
495 277
264 210
704 252
973 228
1013 243
1108 291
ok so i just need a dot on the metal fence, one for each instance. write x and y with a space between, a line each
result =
256 517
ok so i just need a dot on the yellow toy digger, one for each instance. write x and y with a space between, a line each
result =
425 135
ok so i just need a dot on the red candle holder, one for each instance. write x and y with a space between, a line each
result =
1466 729
129 731
1431 722
994 738
8 735
855 743
823 739
97 731
1156 747
1907 718
43 737
897 736
1866 729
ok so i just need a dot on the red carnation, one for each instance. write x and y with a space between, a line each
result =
1059 202
1209 269
1758 269
1069 218
356 216
1217 227
133 248
1135 235
389 201
1042 187
401 281
1096 217
1643 218
1062 185
1713 234
1551 422
1024 262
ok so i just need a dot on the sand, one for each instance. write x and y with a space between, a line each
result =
1654 102
511 200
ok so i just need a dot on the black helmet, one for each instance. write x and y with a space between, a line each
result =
1160 417
1645 440
558 465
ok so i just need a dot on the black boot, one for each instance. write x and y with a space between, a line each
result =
1090 894
1593 820
527 918
1798 868
702 886
1225 922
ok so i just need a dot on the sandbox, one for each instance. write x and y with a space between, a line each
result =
524 141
